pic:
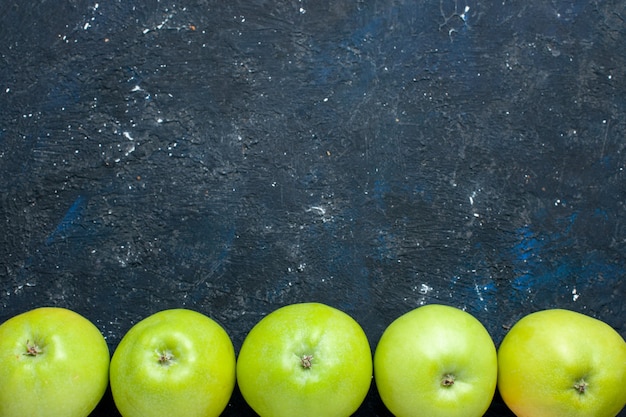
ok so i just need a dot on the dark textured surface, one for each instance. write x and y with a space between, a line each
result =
234 157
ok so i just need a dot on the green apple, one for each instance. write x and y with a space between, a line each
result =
436 361
559 363
53 362
173 363
305 360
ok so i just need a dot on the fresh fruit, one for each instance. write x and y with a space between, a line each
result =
436 361
173 363
53 362
305 360
559 363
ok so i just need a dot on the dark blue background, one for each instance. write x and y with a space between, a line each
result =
234 157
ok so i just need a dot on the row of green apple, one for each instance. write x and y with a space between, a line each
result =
311 359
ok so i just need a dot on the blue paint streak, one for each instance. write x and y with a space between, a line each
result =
67 222
600 214
608 162
527 258
478 291
381 188
544 263
527 246
363 34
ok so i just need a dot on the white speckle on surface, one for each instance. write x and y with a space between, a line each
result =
130 150
425 288
575 294
463 15
317 210
479 292
322 212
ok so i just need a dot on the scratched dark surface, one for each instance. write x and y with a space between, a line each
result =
233 157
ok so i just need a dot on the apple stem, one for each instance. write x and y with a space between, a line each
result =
32 349
165 357
447 380
581 386
305 361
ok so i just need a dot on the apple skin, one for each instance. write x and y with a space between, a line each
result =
546 353
420 350
176 362
63 373
305 360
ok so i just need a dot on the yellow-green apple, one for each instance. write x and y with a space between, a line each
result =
560 363
436 361
53 362
175 362
305 360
